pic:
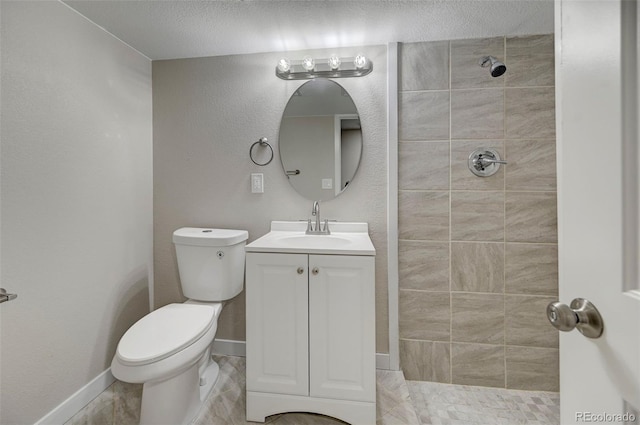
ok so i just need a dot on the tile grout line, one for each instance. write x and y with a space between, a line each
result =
450 50
480 191
549 244
504 217
478 88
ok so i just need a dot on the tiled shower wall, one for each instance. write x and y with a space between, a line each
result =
478 256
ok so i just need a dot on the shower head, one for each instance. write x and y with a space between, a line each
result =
497 68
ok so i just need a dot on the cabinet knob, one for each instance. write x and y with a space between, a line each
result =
315 270
300 270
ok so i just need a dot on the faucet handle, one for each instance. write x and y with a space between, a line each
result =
309 228
326 227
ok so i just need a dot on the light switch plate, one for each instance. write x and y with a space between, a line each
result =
257 183
327 183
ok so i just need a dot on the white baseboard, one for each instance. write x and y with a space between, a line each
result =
228 347
382 361
65 410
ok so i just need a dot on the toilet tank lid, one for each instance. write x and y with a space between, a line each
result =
203 236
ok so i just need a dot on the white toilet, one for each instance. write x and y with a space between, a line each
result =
169 350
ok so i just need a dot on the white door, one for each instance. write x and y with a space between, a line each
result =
598 225
341 336
277 323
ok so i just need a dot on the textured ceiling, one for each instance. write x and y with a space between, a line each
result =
186 28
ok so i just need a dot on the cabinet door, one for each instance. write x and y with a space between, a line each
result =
277 323
342 327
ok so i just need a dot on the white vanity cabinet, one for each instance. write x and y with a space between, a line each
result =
311 335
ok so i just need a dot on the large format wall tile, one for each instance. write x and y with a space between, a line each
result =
526 321
423 115
477 318
423 215
531 269
477 364
530 61
424 66
425 360
423 165
425 315
478 256
462 178
532 164
424 265
477 267
530 368
466 71
531 217
530 113
477 216
477 114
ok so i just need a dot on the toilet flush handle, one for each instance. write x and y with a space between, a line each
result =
4 296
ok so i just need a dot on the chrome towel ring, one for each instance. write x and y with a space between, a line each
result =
262 142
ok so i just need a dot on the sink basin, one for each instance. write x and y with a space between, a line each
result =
290 237
316 241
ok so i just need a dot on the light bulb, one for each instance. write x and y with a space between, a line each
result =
360 61
308 63
334 62
284 65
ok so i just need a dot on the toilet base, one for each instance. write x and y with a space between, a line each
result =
208 380
178 400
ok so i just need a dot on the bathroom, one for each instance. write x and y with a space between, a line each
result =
108 148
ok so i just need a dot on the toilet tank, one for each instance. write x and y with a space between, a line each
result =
210 262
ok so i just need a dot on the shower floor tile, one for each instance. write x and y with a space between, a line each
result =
446 404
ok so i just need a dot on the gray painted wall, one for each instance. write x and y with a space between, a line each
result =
206 114
76 202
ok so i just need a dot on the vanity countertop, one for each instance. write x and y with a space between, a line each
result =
289 237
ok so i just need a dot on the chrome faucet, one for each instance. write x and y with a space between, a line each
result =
316 213
317 230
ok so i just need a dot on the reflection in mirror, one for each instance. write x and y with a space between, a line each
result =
320 140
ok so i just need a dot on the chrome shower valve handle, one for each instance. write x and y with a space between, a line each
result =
485 162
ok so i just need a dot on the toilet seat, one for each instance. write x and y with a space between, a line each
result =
165 331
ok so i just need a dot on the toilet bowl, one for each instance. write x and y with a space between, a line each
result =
169 350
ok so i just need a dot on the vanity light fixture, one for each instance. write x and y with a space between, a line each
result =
308 63
359 61
334 67
334 63
284 65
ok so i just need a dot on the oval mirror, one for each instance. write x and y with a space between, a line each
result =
320 140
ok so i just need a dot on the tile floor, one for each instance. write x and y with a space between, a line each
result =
399 402
446 404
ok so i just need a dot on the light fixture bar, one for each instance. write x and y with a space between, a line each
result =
322 69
